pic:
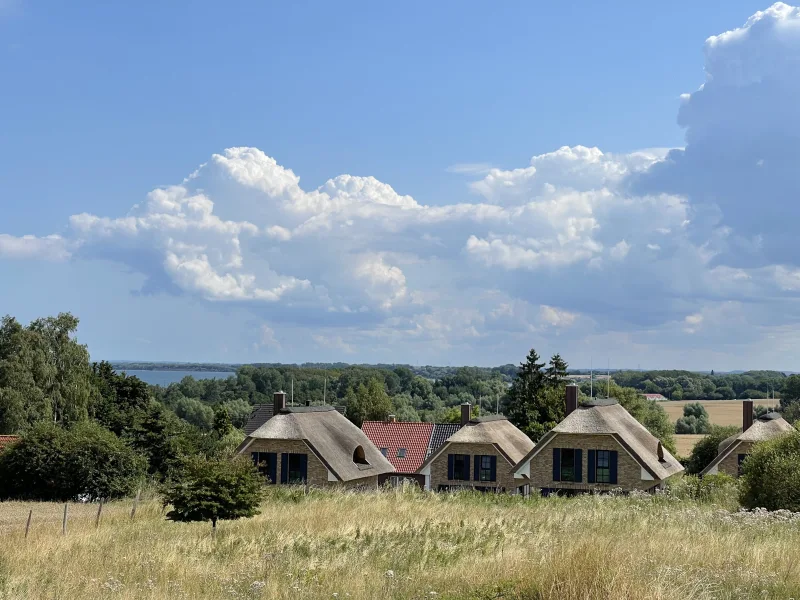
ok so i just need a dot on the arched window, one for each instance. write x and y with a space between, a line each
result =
358 456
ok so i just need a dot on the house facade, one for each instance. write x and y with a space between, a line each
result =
313 445
480 456
732 451
598 447
406 445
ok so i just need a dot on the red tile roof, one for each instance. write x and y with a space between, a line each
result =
5 440
414 437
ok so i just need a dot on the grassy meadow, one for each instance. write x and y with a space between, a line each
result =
395 544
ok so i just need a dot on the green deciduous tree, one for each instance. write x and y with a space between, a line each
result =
222 421
791 391
196 413
771 474
214 489
239 411
44 373
695 419
368 402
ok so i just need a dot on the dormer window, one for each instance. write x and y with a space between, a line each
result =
358 456
385 452
401 453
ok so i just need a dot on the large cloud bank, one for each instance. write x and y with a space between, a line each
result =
662 247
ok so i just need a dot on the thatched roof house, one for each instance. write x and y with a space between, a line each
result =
315 445
732 451
601 439
480 455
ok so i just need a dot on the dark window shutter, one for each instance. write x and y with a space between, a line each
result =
590 465
304 467
272 460
556 464
450 461
284 467
578 465
466 467
494 468
613 466
477 473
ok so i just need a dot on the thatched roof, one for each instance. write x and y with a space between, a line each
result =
607 417
331 437
763 428
261 413
496 430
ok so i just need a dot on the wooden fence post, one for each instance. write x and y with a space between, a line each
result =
135 503
28 524
99 512
64 522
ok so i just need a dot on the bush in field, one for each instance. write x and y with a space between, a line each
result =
57 464
694 419
214 489
771 474
705 450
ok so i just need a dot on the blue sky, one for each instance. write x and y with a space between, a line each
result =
421 229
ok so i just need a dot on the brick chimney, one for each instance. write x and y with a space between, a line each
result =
278 402
466 413
747 414
571 399
391 419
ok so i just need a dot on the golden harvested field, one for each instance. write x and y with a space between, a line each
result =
406 545
684 443
721 412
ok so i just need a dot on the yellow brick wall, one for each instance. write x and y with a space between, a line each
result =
317 472
628 470
505 479
730 464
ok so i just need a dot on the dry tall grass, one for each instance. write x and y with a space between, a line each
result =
405 545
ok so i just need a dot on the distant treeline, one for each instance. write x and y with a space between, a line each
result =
428 371
688 385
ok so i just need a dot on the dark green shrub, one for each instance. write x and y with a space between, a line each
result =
85 462
214 489
771 474
705 450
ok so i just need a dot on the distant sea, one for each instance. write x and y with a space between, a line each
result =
166 377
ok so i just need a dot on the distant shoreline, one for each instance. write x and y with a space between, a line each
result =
200 368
